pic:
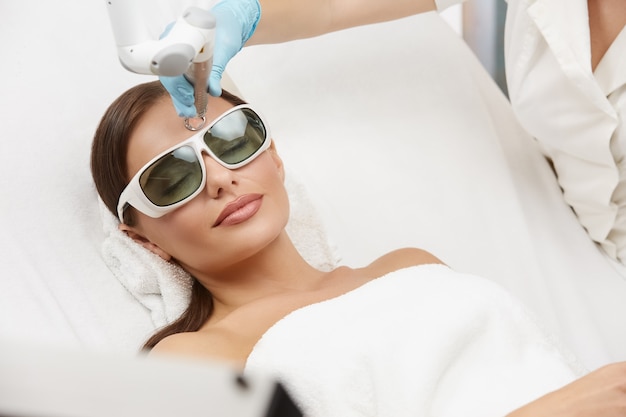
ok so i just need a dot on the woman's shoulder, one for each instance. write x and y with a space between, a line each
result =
218 343
401 258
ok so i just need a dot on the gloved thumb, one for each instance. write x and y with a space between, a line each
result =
215 79
228 43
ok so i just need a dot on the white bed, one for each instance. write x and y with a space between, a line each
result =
398 133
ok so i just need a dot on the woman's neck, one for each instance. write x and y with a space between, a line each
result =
278 268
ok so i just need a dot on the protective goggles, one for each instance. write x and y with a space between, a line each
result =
177 175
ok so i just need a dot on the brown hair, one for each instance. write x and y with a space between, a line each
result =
110 175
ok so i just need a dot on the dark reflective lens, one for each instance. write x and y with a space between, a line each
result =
172 178
236 137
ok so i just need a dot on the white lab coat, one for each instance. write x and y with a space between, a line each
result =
573 112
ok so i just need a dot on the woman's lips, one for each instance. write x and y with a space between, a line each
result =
239 210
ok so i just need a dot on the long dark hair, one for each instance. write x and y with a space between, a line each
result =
110 175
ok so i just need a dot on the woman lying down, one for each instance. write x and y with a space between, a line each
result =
403 336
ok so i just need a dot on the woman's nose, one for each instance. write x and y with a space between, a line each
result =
218 177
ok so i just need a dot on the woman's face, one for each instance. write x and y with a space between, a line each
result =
197 234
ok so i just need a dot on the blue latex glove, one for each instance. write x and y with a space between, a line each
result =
236 21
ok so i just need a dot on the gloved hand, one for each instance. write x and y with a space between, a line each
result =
236 21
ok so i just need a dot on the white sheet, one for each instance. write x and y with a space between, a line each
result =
397 131
420 341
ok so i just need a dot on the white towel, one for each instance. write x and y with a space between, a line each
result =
164 288
422 341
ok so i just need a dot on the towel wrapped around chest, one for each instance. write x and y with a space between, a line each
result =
421 341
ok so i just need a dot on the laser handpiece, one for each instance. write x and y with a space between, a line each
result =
198 75
187 48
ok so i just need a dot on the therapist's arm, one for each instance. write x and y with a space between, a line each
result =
599 393
285 20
